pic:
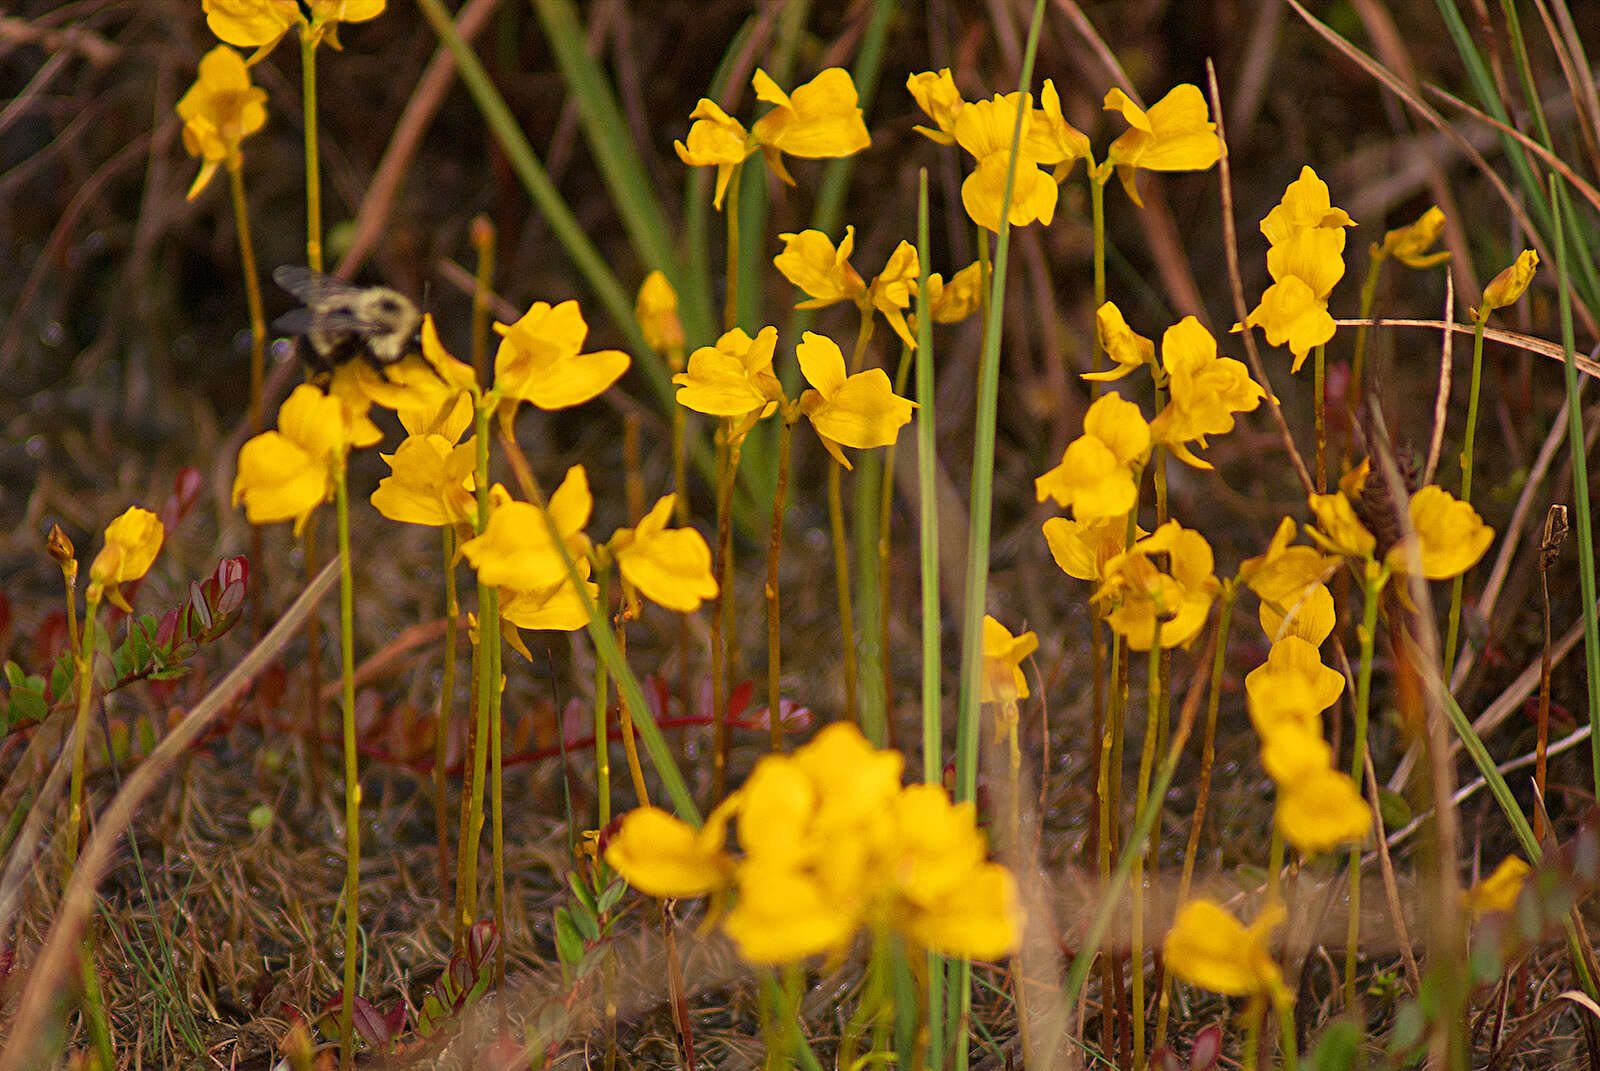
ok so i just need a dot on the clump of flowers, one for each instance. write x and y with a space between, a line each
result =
831 843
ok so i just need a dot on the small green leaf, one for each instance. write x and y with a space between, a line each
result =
1336 1049
581 890
1393 807
569 943
612 893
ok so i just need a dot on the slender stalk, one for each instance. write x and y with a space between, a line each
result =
483 665
780 498
490 627
630 746
308 94
1147 758
483 243
1369 291
1468 438
1373 583
722 612
928 563
252 289
1097 212
841 577
719 746
885 531
1319 365
441 732
1555 530
730 306
1254 1012
352 784
77 813
602 731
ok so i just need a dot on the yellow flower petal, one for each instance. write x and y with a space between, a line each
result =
860 411
1207 947
1452 535
811 262
1290 313
1176 134
1003 679
1410 244
732 378
936 94
1498 891
1321 811
656 311
819 119
132 542
671 567
664 856
1504 289
1305 206
538 359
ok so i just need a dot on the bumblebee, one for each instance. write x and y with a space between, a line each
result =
341 322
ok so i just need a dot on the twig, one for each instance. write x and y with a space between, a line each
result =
1441 402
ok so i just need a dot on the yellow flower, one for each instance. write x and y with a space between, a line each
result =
854 781
1305 206
1314 255
811 262
559 608
984 128
733 379
1292 750
1206 390
1507 287
1209 948
1096 476
819 119
1409 244
538 359
1293 673
454 373
962 296
1176 134
893 287
1139 594
1050 138
671 567
1126 347
1321 810
979 917
664 856
430 482
219 111
936 94
1290 313
260 23
1339 530
656 310
718 140
515 550
860 411
285 474
1498 891
1309 615
784 914
132 542
1283 571
1451 535
1082 548
1003 680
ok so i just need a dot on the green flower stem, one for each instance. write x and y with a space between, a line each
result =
722 613
352 783
252 288
76 812
441 730
1097 210
780 498
490 627
928 563
1254 1012
630 747
308 94
885 532
482 234
841 577
1286 1039
602 746
1369 291
1147 759
1376 576
1583 520
730 203
1319 408
1468 438
483 668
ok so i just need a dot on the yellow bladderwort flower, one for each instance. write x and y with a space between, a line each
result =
656 311
1339 531
894 287
430 479
984 129
1082 548
1320 811
1205 390
1507 287
1136 594
1176 134
286 473
1051 140
669 566
1498 891
1305 205
1283 572
822 271
664 856
538 359
948 898
1292 750
1451 536
219 111
1292 674
1309 614
1209 948
261 23
716 139
1003 679
733 379
132 542
860 411
819 120
1096 477
1410 244
515 550
1127 349
1291 314
936 94
962 296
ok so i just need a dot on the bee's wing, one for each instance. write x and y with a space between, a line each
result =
311 287
301 321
